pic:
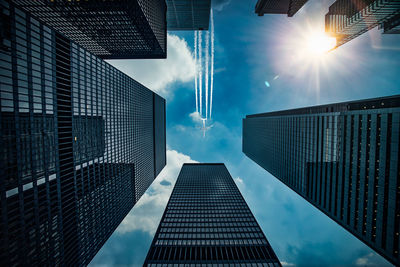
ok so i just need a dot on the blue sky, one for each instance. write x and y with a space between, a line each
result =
250 50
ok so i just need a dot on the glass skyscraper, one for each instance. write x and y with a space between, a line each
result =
188 14
289 7
348 19
108 29
80 143
343 158
207 221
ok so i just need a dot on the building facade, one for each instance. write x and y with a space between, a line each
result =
207 221
188 14
289 7
349 19
80 141
343 158
108 29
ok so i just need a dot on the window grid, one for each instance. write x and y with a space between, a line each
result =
349 165
207 221
78 141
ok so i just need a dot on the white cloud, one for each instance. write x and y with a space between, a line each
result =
240 184
180 128
158 74
220 4
238 180
195 116
284 263
362 261
146 214
365 261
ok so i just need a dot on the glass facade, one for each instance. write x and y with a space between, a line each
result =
289 7
348 19
343 158
188 14
208 222
80 141
108 29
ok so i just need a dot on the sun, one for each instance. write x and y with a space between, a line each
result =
318 43
310 45
307 54
304 56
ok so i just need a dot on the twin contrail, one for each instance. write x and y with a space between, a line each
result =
195 73
212 59
208 70
200 73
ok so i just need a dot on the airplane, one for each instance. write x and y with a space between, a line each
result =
204 128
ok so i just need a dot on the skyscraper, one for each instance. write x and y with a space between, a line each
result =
348 19
80 142
289 7
343 158
188 14
108 29
207 221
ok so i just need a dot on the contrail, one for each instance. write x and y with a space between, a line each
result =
212 61
204 62
200 73
195 69
206 68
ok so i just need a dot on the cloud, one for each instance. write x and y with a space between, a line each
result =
284 263
366 260
240 184
220 4
159 74
219 70
362 261
195 116
146 214
180 128
238 180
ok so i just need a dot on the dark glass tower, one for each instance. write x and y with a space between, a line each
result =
108 29
207 221
188 14
289 7
80 143
343 158
348 19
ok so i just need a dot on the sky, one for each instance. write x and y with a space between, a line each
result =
250 51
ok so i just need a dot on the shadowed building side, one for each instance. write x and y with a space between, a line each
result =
289 7
108 29
188 14
343 158
160 156
90 139
349 19
207 221
80 142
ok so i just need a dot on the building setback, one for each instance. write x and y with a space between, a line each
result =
108 29
188 14
343 158
348 19
80 141
289 7
207 221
